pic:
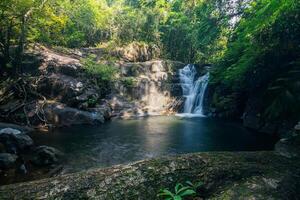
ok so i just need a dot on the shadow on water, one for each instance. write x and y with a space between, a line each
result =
123 141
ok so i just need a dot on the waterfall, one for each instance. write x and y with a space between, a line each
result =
193 90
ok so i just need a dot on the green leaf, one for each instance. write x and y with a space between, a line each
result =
183 189
177 187
189 183
199 184
187 193
177 197
166 192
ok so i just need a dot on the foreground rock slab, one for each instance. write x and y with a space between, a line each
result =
227 175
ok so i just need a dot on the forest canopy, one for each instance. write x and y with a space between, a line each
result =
187 30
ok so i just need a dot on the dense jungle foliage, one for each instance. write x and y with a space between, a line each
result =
263 59
253 44
186 30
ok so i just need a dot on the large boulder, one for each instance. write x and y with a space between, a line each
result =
7 160
61 115
14 140
225 175
44 156
54 62
10 131
61 87
23 129
74 92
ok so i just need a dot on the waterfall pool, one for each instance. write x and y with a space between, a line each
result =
124 141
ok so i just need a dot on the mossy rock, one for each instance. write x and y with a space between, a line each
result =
261 175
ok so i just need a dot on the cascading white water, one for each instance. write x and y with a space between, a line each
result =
193 90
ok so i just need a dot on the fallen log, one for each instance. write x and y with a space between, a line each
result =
237 175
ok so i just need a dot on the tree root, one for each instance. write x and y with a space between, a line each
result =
24 92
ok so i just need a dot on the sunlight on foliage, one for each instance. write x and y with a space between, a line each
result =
103 75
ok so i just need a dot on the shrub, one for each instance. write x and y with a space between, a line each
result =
129 82
102 75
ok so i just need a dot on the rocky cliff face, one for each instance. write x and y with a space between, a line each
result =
61 93
146 85
155 89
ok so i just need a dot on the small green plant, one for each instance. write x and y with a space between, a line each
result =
102 75
128 82
103 72
194 186
180 192
92 101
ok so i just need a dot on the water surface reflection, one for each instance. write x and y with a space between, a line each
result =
123 141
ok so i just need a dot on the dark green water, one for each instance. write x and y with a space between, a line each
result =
123 141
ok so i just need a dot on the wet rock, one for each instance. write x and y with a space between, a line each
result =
10 131
13 140
23 129
45 155
61 115
289 147
104 109
297 128
22 169
7 160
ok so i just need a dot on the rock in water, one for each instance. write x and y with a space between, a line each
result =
14 140
60 115
289 147
22 169
10 131
46 155
23 129
7 160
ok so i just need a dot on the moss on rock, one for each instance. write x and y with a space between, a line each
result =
225 175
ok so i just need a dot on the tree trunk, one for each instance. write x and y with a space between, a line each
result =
143 180
20 49
6 43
